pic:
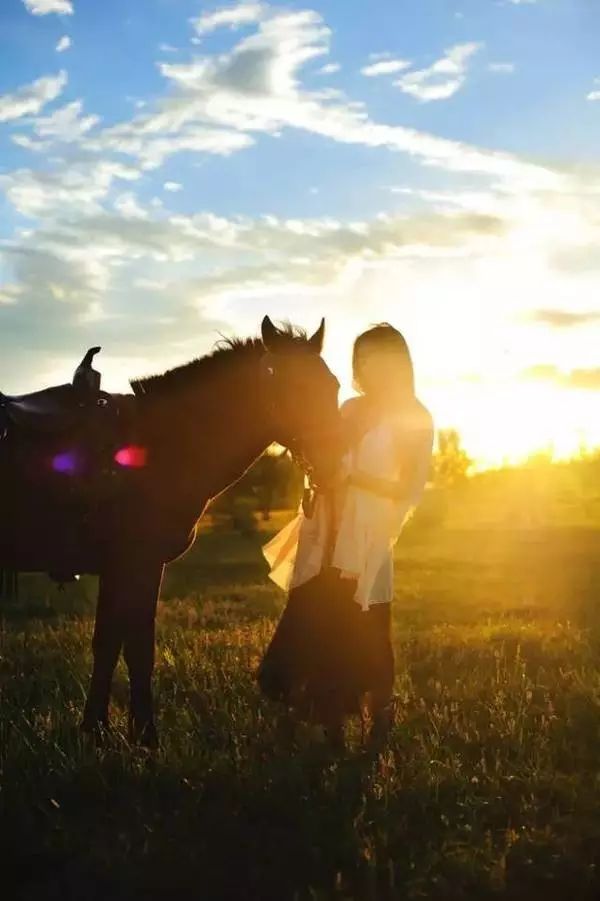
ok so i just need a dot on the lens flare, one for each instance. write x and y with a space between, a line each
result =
132 456
65 462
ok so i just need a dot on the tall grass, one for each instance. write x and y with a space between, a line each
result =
489 787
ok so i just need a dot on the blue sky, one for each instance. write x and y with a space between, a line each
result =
171 168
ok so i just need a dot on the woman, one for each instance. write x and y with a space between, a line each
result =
333 642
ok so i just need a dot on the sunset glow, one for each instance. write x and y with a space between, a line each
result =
289 159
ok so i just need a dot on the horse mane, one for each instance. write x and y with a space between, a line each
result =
205 368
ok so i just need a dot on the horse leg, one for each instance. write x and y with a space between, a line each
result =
106 646
139 638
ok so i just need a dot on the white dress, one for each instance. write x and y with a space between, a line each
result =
367 525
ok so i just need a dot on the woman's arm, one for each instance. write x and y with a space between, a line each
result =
414 455
355 419
394 490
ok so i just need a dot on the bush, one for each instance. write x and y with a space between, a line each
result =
451 463
235 511
430 514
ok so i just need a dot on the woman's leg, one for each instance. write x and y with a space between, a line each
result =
344 655
281 667
383 674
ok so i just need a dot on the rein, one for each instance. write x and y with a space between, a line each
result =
294 443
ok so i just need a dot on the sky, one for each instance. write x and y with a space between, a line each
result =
172 170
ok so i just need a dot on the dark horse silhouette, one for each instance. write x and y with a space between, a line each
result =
184 437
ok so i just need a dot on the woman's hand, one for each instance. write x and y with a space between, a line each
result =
387 488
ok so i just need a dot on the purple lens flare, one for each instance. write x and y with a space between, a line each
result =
66 462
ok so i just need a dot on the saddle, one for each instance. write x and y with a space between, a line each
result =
56 409
72 430
61 464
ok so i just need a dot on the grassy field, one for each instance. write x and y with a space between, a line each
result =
490 785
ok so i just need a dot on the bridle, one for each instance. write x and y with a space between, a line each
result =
268 375
293 443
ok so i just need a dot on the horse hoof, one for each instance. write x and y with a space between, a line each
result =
143 734
335 737
98 729
380 732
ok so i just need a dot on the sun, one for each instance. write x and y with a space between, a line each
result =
503 417
506 424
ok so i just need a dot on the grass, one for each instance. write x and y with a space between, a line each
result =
489 788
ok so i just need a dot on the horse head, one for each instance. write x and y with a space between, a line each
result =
300 394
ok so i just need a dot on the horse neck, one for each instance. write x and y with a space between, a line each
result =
218 431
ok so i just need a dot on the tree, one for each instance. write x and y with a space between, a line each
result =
451 463
273 482
264 478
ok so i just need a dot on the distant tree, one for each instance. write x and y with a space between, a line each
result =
234 509
451 463
273 482
540 459
290 483
276 482
265 476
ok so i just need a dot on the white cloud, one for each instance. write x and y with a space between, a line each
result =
9 292
172 186
98 253
218 103
312 253
219 99
151 140
502 68
329 69
43 7
385 67
55 288
443 78
256 87
150 284
167 48
31 98
264 63
74 189
63 44
110 265
595 94
229 17
128 206
66 123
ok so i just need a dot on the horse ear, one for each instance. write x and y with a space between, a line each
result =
269 334
316 342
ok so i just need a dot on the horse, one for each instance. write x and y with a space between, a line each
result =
189 433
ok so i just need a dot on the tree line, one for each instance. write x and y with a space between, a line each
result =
274 482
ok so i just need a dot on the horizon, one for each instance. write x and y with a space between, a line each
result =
170 173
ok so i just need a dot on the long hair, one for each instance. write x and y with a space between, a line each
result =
385 336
